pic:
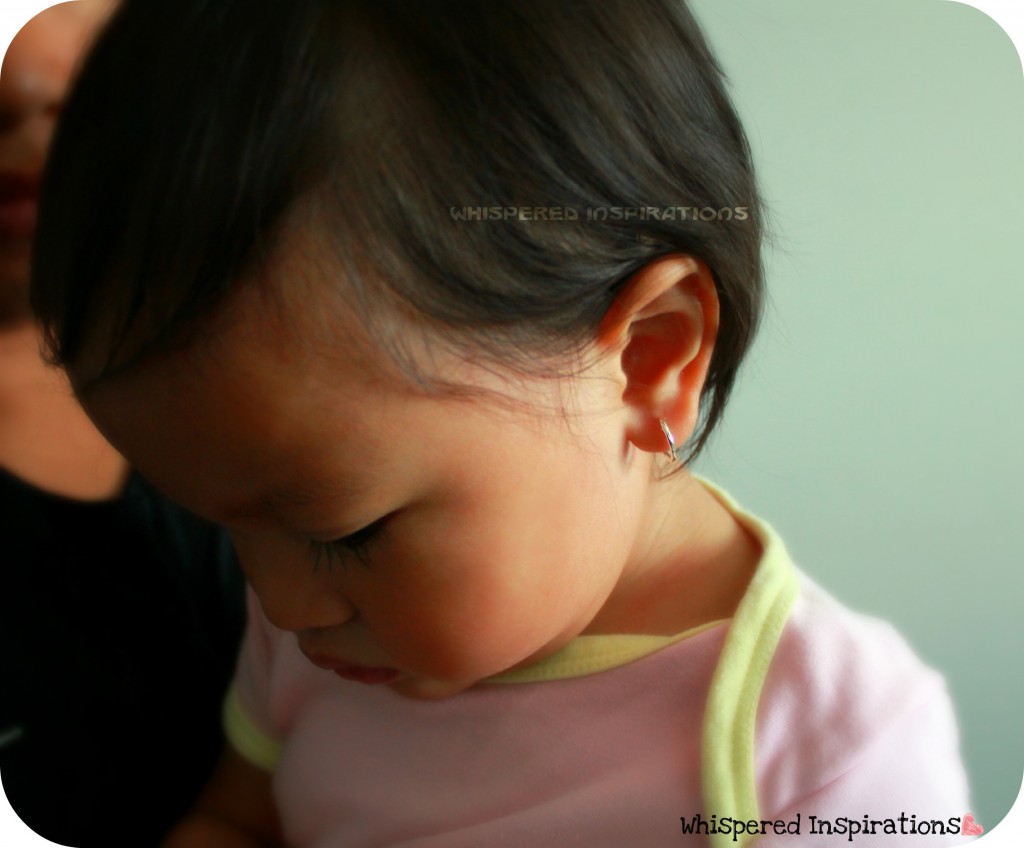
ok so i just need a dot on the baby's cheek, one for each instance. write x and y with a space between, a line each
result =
453 650
467 607
456 642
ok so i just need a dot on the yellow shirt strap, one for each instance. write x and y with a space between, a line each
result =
251 742
731 712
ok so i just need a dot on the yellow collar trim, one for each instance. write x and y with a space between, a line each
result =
592 654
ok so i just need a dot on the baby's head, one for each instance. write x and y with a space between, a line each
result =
408 289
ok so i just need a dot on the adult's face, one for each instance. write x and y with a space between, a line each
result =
33 79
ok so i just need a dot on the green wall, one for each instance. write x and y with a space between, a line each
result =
877 422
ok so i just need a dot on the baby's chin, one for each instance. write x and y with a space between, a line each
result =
428 689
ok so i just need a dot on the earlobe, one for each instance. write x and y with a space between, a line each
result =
662 328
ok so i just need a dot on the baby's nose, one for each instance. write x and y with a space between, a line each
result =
295 599
293 594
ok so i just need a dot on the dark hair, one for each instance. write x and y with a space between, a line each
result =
195 125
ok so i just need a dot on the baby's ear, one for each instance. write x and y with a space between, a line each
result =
662 328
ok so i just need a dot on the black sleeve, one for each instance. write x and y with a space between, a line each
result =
119 626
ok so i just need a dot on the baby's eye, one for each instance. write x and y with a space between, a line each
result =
354 544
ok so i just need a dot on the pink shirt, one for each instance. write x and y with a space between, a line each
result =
797 708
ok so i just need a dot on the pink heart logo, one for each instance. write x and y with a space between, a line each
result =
971 827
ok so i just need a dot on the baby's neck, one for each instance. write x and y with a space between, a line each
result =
694 569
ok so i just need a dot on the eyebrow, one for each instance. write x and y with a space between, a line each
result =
301 493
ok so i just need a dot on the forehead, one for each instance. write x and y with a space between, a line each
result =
248 419
298 305
252 387
281 383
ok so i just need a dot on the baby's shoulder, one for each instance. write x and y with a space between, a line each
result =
840 685
844 665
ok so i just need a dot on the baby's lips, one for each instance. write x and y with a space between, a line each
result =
351 671
367 676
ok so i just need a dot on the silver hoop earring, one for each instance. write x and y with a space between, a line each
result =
671 452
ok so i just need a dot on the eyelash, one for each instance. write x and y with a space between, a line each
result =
354 544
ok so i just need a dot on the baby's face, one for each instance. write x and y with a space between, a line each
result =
500 533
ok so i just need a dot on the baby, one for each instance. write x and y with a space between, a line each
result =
430 305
